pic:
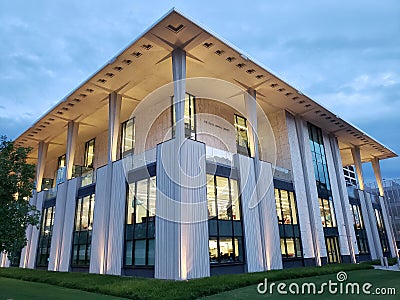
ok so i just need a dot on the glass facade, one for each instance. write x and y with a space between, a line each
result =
361 234
189 116
46 230
82 239
140 223
325 200
89 154
381 230
242 140
127 137
289 230
224 220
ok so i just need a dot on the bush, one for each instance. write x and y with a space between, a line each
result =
146 288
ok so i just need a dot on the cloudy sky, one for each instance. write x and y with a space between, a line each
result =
343 54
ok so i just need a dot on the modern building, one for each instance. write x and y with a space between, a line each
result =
183 158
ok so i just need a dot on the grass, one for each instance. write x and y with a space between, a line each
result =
144 288
378 279
18 289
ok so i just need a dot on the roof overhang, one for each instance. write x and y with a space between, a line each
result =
145 65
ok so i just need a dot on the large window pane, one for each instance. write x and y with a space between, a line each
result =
89 153
211 203
226 250
140 252
141 201
223 198
235 200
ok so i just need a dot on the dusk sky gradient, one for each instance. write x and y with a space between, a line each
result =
343 54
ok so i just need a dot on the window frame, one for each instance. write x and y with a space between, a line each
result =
124 153
240 148
86 155
42 234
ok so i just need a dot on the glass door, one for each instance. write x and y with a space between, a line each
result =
332 248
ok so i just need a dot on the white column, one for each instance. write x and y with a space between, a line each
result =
35 233
378 175
344 198
72 135
311 191
69 223
300 190
24 258
179 77
374 225
100 220
268 218
42 154
58 227
4 261
339 207
181 235
250 214
388 228
355 152
117 223
114 112
367 225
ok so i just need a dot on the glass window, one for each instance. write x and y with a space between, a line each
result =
128 137
381 230
61 161
189 116
242 140
288 227
89 154
46 231
83 231
327 212
225 227
139 226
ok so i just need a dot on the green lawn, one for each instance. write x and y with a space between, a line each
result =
142 288
378 278
20 290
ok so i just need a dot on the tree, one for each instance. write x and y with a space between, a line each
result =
16 185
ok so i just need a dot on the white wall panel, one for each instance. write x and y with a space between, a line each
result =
4 262
68 227
117 220
58 227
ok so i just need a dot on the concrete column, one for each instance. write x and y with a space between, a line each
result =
304 216
311 191
355 152
41 164
388 228
341 206
24 258
114 112
181 233
374 225
33 244
72 135
378 176
179 77
250 105
367 225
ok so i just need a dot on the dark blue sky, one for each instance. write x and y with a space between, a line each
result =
343 54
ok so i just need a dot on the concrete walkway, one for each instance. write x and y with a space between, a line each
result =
391 268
